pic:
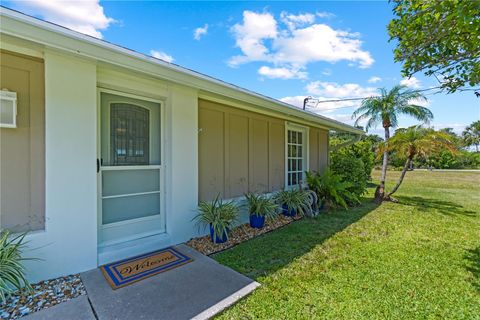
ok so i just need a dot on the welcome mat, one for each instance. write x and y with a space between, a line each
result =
128 271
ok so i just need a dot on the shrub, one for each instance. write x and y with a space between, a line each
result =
294 199
332 189
12 272
352 168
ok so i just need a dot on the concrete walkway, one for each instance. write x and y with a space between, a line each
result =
196 290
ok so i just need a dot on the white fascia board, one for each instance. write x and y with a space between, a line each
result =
19 25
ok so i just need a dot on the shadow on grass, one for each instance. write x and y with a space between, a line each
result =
442 206
473 266
270 252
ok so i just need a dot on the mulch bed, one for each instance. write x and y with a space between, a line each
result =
238 235
45 294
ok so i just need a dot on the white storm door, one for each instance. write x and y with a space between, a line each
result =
131 169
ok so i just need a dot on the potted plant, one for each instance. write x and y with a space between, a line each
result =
259 208
293 202
219 216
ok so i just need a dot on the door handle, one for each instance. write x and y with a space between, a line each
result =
98 165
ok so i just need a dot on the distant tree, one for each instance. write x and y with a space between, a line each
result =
438 38
385 109
471 135
414 141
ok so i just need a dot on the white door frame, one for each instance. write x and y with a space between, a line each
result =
161 168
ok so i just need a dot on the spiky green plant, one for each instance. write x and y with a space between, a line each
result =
221 215
332 188
12 272
261 205
294 199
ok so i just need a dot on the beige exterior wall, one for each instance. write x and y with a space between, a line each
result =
22 149
242 151
239 151
318 149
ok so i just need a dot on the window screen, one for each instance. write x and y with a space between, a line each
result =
129 134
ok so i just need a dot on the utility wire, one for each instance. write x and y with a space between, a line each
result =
353 99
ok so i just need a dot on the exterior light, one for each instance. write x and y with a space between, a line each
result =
8 109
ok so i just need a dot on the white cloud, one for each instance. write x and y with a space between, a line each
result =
323 14
411 82
327 72
250 36
325 91
294 21
260 38
161 55
458 128
319 42
421 102
374 79
282 73
335 90
296 101
200 31
84 16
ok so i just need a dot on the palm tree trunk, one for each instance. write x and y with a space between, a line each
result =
380 192
400 180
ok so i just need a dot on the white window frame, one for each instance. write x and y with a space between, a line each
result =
305 150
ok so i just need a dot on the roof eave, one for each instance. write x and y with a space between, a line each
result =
48 34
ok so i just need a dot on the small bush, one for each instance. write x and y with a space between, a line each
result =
261 205
220 215
12 272
332 188
294 199
351 168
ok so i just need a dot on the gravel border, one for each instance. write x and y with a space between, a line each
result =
45 294
238 235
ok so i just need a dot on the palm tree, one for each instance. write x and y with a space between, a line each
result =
385 109
471 135
414 141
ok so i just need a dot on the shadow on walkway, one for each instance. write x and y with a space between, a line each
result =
272 251
442 206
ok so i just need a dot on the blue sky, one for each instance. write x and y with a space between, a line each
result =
285 50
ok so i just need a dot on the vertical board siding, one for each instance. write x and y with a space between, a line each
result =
276 152
236 180
210 155
318 150
22 149
239 152
314 150
323 143
259 156
242 151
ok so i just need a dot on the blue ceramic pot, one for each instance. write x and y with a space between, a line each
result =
257 221
288 213
218 239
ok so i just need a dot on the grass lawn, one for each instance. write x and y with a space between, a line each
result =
417 259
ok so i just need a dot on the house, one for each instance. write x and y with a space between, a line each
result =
111 150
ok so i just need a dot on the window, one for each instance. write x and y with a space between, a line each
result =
129 134
296 163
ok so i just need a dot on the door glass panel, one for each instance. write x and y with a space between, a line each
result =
117 182
131 207
129 134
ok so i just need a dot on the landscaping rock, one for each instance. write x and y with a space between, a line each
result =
45 294
241 233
